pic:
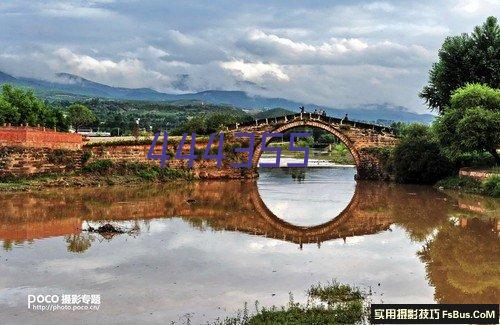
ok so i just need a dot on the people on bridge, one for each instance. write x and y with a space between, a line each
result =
323 113
315 111
302 109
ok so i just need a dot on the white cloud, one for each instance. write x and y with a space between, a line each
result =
327 53
383 6
348 51
69 10
180 38
255 71
476 7
130 72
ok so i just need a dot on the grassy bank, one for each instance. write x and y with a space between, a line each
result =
98 173
335 153
332 303
488 187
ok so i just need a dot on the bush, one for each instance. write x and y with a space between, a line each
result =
144 171
491 186
344 305
463 184
101 166
418 158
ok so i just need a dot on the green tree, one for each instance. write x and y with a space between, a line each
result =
8 114
195 124
463 59
472 124
418 157
22 106
80 115
217 121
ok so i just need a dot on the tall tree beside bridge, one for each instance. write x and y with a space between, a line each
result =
463 59
472 123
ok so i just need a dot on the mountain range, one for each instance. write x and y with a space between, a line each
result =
70 86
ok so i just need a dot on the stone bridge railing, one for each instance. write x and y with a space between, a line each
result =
362 139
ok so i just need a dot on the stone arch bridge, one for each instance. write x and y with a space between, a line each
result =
360 138
221 206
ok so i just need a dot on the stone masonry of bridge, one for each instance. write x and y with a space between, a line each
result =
357 136
222 206
58 152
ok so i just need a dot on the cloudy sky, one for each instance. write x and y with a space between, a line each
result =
335 53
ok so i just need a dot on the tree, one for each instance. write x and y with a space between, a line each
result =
196 124
8 114
463 59
80 115
20 106
472 123
216 122
418 158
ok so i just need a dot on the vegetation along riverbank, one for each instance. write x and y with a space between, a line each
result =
465 133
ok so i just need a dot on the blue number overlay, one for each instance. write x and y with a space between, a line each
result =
190 156
294 135
249 150
265 137
163 157
219 156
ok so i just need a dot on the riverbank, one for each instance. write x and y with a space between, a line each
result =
107 173
333 303
487 187
96 174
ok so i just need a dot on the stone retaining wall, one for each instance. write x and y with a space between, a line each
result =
23 161
204 169
478 174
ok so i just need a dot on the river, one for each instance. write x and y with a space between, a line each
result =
200 250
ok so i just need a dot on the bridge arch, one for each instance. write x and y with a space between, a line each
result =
312 123
336 227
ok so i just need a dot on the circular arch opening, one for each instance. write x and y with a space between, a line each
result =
286 203
315 124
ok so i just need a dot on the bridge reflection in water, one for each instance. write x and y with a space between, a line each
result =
229 205
458 235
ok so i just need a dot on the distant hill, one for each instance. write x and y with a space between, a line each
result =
68 86
273 112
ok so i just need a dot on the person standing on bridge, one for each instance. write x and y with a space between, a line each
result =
302 109
346 118
323 113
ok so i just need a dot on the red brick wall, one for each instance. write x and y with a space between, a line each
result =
24 161
39 138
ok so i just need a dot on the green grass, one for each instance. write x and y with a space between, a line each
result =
333 303
488 187
491 186
98 172
494 170
144 171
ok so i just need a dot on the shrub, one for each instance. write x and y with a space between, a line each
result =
344 305
86 155
464 184
491 186
418 158
142 170
101 166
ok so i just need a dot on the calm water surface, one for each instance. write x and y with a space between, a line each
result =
200 250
